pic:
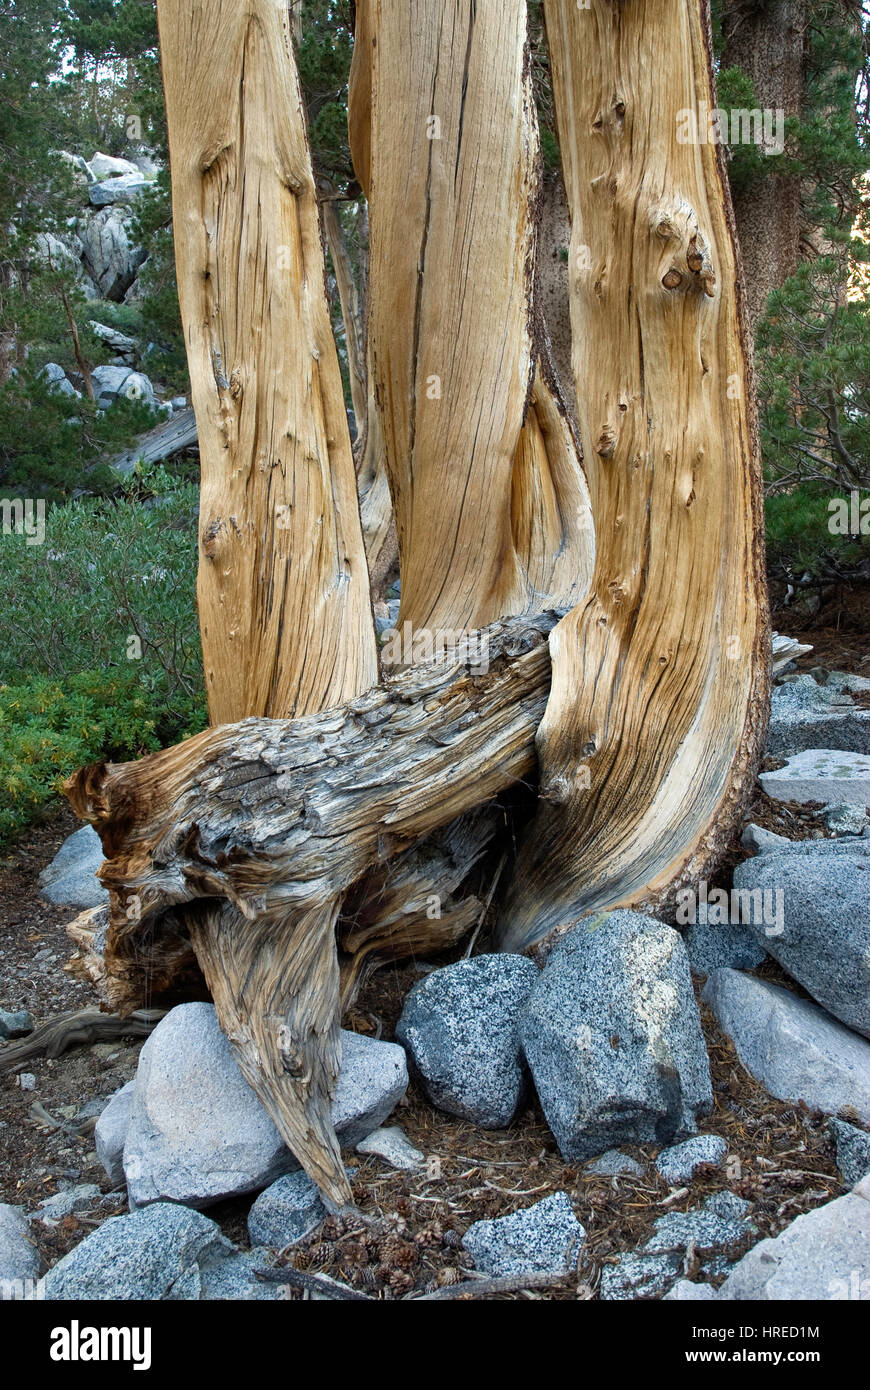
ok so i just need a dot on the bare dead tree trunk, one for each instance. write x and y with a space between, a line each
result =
282 571
657 712
283 586
471 421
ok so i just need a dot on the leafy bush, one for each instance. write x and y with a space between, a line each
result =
48 729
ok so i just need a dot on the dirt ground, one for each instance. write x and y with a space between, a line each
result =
780 1156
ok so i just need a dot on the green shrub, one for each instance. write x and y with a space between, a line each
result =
48 729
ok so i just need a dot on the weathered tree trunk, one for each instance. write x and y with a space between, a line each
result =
283 588
471 421
766 39
657 711
248 835
468 434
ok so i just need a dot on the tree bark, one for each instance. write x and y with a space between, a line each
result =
656 717
283 590
766 40
351 308
283 585
470 416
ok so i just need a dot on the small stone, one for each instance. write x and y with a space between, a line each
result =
545 1238
844 818
459 1026
62 1204
285 1212
614 1162
757 838
680 1163
853 1151
391 1144
15 1025
711 1231
26 1080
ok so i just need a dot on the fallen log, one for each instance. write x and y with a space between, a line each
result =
163 442
78 1028
247 836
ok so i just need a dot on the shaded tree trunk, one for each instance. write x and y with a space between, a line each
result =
766 39
656 717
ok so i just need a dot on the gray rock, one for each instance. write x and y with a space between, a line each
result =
680 1163
110 1133
69 880
58 382
614 1162
65 1203
392 1145
112 383
158 1253
107 166
15 1025
122 189
613 1038
853 1151
109 255
805 715
822 937
285 1212
545 1238
712 1231
792 1046
844 818
821 774
822 1255
26 1080
684 1291
119 342
82 847
757 838
460 1028
712 945
179 402
198 1133
19 1258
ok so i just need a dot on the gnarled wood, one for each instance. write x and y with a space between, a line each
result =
249 834
657 711
283 586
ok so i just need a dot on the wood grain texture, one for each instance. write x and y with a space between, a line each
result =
657 711
491 505
283 586
247 836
